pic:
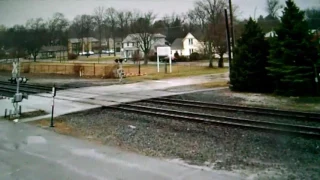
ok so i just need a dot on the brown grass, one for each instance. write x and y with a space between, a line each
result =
177 71
214 84
60 126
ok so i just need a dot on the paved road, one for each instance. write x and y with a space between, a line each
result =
31 153
79 99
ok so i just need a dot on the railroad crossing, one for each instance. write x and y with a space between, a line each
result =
80 99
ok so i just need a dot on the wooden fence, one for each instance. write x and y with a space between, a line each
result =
94 69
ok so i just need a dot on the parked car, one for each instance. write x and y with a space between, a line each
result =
86 53
166 59
107 51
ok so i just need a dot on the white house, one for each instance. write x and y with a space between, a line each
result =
185 46
132 41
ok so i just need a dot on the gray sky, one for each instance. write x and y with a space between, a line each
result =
19 11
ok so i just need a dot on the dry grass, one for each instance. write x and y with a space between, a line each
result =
97 58
177 71
60 126
213 84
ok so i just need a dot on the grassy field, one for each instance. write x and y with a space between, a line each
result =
214 84
177 71
97 58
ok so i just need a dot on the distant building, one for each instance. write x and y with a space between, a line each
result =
47 52
186 46
111 46
78 45
131 44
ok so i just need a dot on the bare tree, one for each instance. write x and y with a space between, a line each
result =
124 18
84 23
220 42
57 27
99 14
174 24
273 6
142 27
37 36
111 20
77 28
209 13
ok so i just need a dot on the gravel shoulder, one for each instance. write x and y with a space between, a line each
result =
255 154
226 96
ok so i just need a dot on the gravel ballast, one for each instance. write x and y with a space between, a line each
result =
254 153
226 96
256 117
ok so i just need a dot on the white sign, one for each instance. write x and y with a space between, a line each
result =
163 51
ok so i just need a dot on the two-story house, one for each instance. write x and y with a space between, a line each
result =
78 45
132 43
108 44
185 46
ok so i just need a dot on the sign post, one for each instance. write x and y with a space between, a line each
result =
164 51
52 110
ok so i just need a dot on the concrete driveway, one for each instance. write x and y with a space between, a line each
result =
31 153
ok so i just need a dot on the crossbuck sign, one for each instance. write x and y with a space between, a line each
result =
164 51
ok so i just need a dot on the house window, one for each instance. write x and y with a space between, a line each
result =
190 51
190 41
128 44
133 44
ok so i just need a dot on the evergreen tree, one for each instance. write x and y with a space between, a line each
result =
248 70
293 54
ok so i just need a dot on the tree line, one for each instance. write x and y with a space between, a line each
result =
205 20
286 64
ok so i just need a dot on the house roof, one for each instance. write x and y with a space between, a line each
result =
158 35
130 48
53 48
270 34
118 39
132 37
85 39
74 40
177 44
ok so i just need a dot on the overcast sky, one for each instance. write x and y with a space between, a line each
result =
19 11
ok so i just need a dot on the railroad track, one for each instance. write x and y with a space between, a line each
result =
282 128
8 88
234 108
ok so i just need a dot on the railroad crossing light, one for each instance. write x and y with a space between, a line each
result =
120 60
116 60
23 80
24 96
18 97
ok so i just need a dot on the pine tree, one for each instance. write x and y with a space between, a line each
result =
248 70
293 54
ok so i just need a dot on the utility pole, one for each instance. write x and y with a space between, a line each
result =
18 84
228 39
231 24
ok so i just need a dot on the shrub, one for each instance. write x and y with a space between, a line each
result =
152 58
72 56
182 59
26 68
136 57
77 68
194 56
248 72
176 55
